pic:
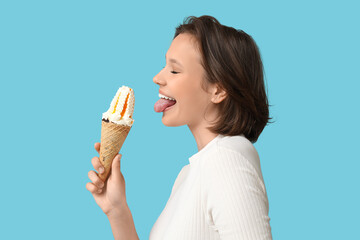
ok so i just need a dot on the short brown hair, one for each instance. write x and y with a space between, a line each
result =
232 61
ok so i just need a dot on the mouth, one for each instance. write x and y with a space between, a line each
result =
167 108
164 103
166 97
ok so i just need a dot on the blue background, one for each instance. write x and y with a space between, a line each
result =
61 62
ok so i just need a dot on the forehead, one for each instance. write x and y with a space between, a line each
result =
184 48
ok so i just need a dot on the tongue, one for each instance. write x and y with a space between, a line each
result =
162 104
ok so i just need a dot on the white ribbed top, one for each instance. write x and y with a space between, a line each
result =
219 195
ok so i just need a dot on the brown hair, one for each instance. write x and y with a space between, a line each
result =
232 61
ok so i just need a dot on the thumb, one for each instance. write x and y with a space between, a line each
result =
115 168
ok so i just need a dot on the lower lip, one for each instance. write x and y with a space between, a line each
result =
169 107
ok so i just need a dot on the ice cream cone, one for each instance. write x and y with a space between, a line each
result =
112 138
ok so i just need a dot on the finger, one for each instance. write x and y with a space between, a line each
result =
95 179
93 189
97 164
115 168
97 147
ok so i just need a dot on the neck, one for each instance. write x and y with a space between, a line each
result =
202 135
199 129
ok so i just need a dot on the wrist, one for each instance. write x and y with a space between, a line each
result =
119 212
122 224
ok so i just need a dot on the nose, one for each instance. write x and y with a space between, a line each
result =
158 79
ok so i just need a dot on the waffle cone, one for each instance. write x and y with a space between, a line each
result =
112 138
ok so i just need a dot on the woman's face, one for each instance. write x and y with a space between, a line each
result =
181 79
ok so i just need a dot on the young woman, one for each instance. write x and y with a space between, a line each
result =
213 80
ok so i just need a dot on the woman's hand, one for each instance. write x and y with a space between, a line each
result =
110 196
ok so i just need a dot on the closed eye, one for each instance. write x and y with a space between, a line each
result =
173 72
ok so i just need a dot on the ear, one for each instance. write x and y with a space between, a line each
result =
218 94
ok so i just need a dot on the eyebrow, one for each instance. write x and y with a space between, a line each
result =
174 61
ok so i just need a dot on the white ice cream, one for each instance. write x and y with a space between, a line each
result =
117 114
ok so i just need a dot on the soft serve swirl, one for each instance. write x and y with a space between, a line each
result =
122 107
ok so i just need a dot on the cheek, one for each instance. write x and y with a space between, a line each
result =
193 103
191 96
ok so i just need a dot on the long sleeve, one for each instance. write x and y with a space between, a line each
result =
234 195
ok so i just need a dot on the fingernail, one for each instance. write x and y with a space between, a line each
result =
101 170
99 191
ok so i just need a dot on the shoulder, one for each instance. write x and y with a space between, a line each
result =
232 189
236 149
233 161
239 144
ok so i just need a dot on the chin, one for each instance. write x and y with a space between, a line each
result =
169 123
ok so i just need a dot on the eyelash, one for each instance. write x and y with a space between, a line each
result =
173 72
